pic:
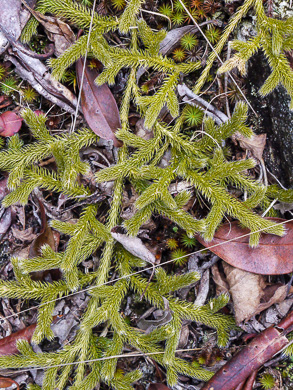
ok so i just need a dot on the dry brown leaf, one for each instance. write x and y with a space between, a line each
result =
222 286
250 294
255 144
24 235
8 344
134 245
98 104
283 207
158 386
246 290
57 31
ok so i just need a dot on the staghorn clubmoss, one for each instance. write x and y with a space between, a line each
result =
202 163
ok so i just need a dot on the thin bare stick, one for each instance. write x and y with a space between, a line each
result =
226 82
219 58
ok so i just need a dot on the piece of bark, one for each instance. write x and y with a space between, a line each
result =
203 288
10 17
261 349
37 75
12 20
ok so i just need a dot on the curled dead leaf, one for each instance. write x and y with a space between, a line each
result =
134 245
255 144
24 235
250 293
57 31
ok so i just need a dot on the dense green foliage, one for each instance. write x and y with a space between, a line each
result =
202 163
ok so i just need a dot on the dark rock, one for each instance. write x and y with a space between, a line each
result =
274 118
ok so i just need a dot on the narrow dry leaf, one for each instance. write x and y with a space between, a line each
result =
5 220
46 237
5 101
98 104
5 214
184 336
134 245
222 286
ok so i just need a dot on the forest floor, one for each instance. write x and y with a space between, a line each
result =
258 300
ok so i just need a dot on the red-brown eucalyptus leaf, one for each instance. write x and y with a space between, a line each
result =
10 123
45 236
273 255
8 344
98 104
7 382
